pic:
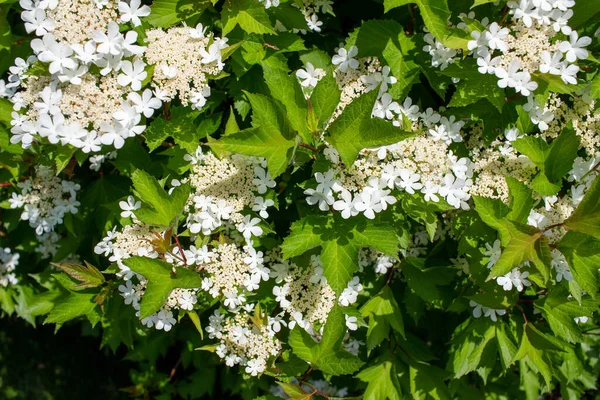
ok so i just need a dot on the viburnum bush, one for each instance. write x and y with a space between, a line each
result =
307 198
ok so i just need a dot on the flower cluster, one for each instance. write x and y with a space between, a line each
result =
45 200
183 59
303 293
8 263
530 46
224 188
62 99
245 340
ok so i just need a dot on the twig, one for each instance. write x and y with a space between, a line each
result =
553 226
180 249
174 369
522 313
411 22
5 184
305 376
591 170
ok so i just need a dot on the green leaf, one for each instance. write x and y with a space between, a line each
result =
325 98
161 281
507 348
562 154
72 306
493 212
543 186
382 381
294 392
525 244
159 208
586 217
341 261
583 11
355 129
340 241
424 281
89 276
481 2
249 15
583 256
533 147
435 14
287 90
520 200
560 314
328 355
270 138
469 343
470 91
534 346
180 126
383 313
231 126
427 380
118 324
166 13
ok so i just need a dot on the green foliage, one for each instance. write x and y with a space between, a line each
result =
327 355
159 207
162 279
355 129
340 241
430 319
271 136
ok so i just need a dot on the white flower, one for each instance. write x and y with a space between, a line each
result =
574 48
568 73
508 78
260 206
430 191
493 252
478 310
165 320
110 42
345 59
309 77
132 74
280 293
487 64
430 117
129 206
409 110
255 367
386 107
345 205
368 202
316 197
314 23
132 11
514 278
551 63
262 180
144 104
187 300
249 227
351 322
199 32
57 54
494 36
408 181
36 21
198 98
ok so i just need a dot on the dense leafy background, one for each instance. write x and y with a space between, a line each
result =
421 340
